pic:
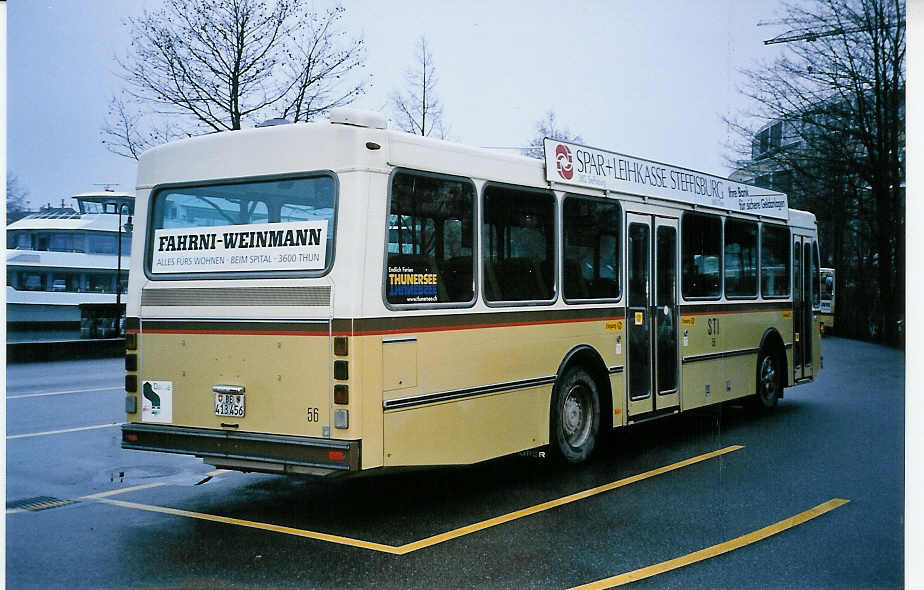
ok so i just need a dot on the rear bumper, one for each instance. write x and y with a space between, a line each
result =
247 451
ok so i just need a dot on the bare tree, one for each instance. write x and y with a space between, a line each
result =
202 66
418 110
839 93
16 193
130 129
551 128
323 59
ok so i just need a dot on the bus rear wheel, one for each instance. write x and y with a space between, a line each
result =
768 381
575 417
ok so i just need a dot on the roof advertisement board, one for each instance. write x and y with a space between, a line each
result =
568 163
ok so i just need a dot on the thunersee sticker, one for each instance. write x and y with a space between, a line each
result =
299 245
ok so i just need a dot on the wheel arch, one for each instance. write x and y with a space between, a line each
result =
772 342
587 357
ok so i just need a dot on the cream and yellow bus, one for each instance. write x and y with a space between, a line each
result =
337 297
826 296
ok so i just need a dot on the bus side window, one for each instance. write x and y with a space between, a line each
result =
591 248
430 258
740 258
519 244
701 256
774 261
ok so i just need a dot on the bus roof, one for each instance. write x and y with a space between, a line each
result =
344 144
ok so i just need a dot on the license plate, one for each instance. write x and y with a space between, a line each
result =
229 404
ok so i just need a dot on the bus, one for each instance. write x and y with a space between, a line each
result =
826 309
336 297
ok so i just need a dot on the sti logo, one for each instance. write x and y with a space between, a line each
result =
563 162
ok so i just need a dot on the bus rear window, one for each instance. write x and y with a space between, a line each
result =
263 226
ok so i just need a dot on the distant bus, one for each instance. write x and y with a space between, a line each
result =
330 298
826 309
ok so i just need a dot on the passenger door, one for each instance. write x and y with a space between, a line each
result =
651 314
803 320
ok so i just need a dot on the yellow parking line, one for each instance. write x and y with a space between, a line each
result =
257 525
561 501
430 541
702 554
123 491
98 495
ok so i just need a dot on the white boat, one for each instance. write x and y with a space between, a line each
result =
59 258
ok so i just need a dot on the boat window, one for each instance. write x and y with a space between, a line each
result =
40 242
67 242
32 281
102 244
101 283
90 207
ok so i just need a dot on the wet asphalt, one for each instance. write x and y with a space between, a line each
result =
840 437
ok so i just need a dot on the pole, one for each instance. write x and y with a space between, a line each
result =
119 267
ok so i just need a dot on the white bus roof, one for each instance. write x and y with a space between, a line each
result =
307 147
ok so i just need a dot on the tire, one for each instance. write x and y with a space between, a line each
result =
768 381
575 417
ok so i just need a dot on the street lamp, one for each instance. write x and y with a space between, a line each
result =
128 230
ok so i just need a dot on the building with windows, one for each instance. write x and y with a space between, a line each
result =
832 160
763 169
58 258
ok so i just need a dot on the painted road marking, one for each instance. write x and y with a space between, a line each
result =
565 500
258 525
436 539
101 494
715 550
63 392
65 430
143 486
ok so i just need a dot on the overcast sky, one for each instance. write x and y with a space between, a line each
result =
647 79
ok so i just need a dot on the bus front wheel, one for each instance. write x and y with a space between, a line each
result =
768 380
575 418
